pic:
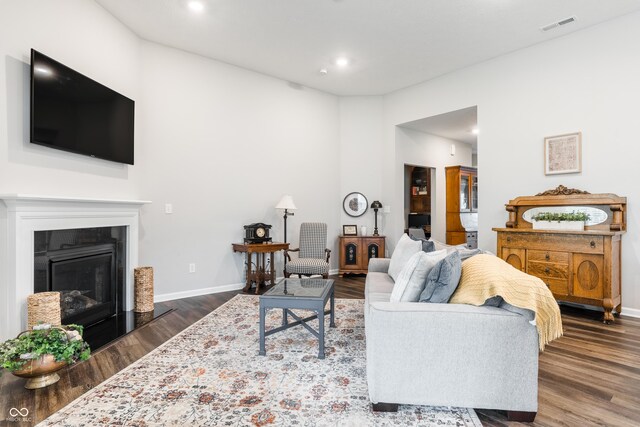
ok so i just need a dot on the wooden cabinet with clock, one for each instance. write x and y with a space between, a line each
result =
577 266
356 251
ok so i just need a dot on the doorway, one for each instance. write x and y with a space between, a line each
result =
418 193
436 144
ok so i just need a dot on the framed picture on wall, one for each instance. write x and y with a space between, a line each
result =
355 204
349 230
563 154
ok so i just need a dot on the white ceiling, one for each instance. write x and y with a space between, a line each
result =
456 125
391 43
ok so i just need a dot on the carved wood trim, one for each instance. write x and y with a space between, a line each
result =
561 190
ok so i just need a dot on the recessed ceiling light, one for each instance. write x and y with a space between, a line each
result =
475 131
196 6
342 61
323 71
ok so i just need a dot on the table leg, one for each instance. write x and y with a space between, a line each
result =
258 273
332 324
285 318
247 286
262 351
321 332
273 268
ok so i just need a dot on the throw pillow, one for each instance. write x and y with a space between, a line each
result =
413 276
404 250
443 280
427 245
527 314
493 301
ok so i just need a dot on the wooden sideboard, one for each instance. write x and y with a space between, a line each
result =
356 251
583 267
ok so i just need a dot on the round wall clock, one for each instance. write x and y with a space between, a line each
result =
355 204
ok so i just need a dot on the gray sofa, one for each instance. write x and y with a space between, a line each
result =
447 354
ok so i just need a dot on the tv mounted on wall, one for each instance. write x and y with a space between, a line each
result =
72 112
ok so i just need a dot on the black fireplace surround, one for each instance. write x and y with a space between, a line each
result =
87 267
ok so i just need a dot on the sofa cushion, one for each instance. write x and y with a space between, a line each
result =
404 250
412 278
443 280
462 249
379 283
427 245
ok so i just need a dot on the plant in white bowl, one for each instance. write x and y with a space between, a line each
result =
573 221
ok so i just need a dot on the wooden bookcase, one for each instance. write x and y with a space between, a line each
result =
577 266
356 251
462 196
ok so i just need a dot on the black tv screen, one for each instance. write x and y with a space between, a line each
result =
71 112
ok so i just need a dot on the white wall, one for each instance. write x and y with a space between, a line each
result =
83 36
223 145
422 149
586 81
361 141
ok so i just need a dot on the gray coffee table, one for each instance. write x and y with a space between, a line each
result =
301 294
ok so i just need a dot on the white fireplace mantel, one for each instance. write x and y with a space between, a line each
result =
21 215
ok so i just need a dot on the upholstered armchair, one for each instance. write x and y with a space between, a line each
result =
313 255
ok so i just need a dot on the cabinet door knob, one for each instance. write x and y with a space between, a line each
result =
593 244
509 239
547 257
546 270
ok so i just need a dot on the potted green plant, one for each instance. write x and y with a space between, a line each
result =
39 353
573 221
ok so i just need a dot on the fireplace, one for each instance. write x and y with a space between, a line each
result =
87 267
23 216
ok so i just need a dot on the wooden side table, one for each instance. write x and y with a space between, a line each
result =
261 274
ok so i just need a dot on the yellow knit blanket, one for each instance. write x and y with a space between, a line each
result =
486 276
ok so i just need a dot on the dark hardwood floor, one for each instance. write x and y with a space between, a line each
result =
590 376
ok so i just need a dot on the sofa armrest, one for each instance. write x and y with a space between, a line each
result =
442 354
379 265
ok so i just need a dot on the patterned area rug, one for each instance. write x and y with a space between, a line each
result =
211 374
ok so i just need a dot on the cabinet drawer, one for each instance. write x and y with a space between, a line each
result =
558 287
548 270
549 256
559 242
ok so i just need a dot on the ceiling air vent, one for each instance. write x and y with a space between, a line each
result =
559 23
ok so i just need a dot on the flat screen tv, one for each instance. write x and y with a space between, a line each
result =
72 112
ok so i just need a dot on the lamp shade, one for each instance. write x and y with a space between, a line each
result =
376 205
286 203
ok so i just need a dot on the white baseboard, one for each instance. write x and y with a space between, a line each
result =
197 292
334 271
631 312
211 290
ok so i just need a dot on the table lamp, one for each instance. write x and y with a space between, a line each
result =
375 206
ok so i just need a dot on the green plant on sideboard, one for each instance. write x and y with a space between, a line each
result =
561 216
